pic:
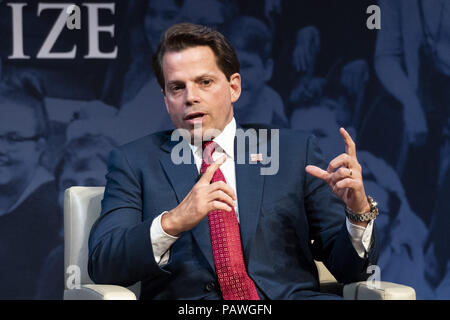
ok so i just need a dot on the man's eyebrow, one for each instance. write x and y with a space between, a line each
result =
172 82
205 75
198 78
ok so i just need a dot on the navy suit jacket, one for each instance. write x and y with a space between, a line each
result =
279 216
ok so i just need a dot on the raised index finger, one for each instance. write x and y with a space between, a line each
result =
209 173
350 147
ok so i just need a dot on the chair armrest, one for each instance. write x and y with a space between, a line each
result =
99 292
380 290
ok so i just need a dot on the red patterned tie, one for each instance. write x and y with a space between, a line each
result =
234 281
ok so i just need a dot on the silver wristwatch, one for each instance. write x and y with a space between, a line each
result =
366 216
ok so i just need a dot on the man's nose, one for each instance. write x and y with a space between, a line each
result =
192 95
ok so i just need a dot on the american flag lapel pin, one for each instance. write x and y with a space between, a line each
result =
254 157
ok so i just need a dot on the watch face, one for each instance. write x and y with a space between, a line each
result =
373 204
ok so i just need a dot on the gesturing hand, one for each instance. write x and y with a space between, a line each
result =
344 176
203 198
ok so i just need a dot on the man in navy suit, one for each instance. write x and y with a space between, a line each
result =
157 221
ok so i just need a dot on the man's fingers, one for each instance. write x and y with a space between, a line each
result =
343 160
340 174
350 147
220 185
222 196
218 205
317 172
209 173
348 183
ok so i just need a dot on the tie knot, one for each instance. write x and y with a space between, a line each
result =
208 149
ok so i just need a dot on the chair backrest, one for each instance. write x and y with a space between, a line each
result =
325 275
82 207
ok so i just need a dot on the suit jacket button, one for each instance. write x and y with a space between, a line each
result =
210 286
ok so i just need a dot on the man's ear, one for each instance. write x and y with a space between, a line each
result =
235 87
268 70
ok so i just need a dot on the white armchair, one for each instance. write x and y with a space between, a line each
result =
82 206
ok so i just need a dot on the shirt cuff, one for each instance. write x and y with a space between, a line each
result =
161 241
361 237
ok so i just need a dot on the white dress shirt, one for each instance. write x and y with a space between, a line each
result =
161 241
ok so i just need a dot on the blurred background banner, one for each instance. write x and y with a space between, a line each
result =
77 81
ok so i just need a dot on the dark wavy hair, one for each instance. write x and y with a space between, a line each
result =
187 35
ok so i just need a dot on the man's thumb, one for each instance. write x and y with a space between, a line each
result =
209 173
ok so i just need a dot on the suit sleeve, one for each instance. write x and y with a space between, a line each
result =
120 248
326 216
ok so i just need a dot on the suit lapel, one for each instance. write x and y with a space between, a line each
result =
182 178
249 188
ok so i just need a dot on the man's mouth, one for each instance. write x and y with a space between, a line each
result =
194 117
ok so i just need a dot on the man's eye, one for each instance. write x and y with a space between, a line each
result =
206 82
175 88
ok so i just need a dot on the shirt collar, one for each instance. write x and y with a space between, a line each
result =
224 140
